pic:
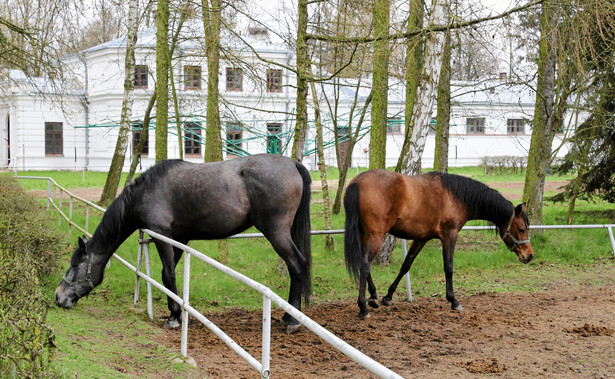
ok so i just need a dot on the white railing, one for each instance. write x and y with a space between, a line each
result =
268 295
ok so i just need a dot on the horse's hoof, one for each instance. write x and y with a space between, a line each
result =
364 315
171 324
292 328
458 308
373 303
386 301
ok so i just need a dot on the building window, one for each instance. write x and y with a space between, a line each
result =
192 77
137 132
234 79
192 138
233 138
274 80
394 125
53 138
274 142
515 126
475 125
140 79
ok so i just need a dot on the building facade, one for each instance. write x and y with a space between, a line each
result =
48 126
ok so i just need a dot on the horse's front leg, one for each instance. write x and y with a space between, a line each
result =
167 256
415 249
448 249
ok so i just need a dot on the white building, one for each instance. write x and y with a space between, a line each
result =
47 128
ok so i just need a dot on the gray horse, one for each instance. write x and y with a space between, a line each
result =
192 201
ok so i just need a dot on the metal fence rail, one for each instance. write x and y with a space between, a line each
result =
268 295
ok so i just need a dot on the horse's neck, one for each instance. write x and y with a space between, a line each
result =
495 211
108 236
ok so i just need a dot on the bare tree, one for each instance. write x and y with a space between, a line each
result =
117 162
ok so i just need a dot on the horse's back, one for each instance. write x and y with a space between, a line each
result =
218 199
406 206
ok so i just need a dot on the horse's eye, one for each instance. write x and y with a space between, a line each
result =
521 231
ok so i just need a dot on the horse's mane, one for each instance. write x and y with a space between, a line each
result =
115 217
480 201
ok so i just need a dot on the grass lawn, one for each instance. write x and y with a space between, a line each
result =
482 264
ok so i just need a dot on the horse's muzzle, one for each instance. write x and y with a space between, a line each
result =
65 299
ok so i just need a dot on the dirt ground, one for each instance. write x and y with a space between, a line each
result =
565 332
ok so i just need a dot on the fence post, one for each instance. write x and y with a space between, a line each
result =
48 193
407 276
612 239
138 281
150 309
186 298
87 218
265 372
61 211
70 215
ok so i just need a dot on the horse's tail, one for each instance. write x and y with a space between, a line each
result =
301 229
352 231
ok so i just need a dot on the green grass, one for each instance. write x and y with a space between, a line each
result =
482 264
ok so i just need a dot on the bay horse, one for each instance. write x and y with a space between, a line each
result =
195 201
421 208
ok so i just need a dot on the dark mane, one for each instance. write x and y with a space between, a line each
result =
481 201
115 218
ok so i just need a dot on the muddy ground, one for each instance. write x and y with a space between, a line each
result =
566 332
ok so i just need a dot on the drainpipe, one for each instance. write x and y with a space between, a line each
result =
289 57
86 107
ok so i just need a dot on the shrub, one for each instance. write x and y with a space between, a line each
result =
28 253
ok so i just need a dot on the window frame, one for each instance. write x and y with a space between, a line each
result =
478 124
234 79
136 133
192 133
192 77
274 80
54 132
141 77
233 133
515 126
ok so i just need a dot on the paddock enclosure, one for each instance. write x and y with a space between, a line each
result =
565 329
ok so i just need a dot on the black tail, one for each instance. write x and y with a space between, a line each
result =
301 229
352 231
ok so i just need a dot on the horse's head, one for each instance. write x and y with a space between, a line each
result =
82 276
516 235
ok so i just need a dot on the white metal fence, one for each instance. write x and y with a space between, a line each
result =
263 367
268 295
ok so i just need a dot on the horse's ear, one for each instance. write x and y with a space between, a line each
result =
520 208
81 242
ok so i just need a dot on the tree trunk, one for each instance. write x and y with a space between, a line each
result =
136 158
444 109
329 245
341 184
414 64
543 128
117 163
303 60
213 140
409 162
162 79
380 86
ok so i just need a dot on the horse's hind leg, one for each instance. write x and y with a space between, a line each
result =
169 257
373 296
414 250
297 264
